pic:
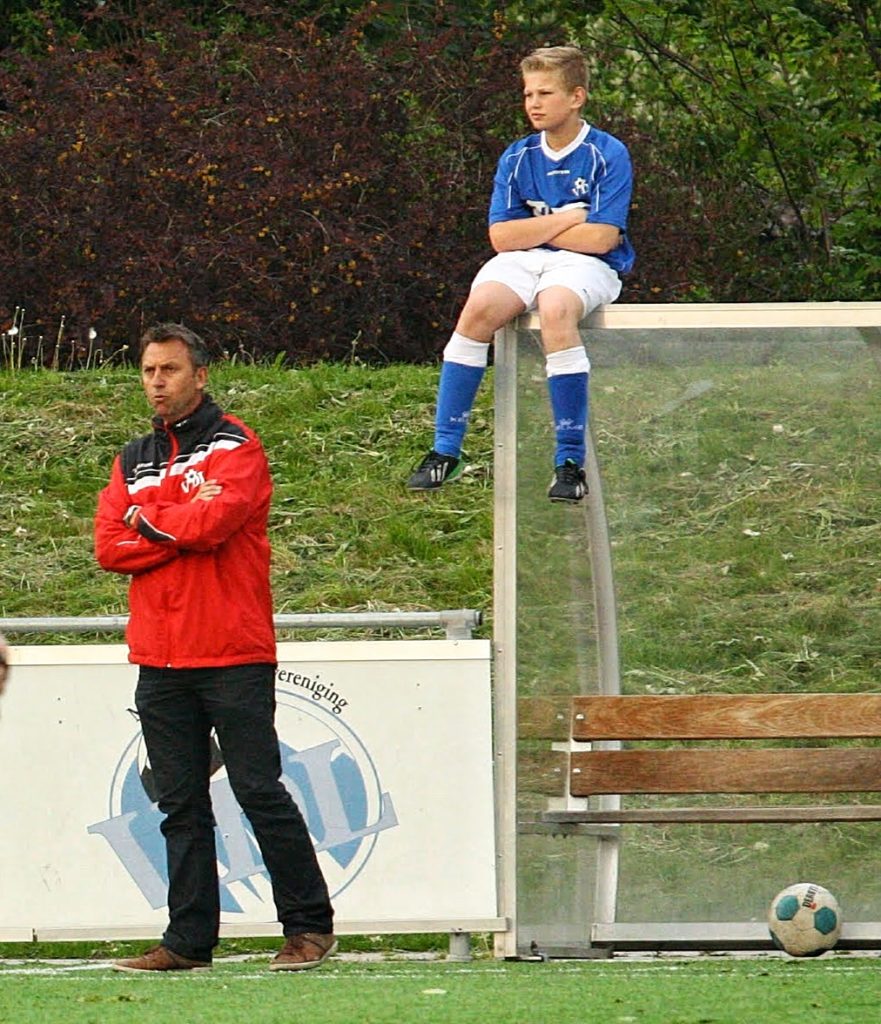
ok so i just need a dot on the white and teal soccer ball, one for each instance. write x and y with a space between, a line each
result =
804 920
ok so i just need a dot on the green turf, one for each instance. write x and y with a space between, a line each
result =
703 991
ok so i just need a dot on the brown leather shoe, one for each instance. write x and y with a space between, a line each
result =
300 952
161 958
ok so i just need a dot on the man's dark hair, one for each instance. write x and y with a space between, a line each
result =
177 332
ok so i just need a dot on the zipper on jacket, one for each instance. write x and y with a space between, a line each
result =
173 452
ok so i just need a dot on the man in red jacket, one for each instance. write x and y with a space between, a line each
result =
185 515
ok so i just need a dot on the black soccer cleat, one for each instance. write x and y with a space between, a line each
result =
434 470
568 483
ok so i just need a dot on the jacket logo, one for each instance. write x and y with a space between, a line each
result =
192 478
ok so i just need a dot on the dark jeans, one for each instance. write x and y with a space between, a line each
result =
178 709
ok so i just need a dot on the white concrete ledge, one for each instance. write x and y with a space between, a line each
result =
268 930
717 935
723 315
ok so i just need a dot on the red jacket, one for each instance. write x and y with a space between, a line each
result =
199 594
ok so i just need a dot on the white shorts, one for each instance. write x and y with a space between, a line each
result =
529 271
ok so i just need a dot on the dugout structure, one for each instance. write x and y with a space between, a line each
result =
733 475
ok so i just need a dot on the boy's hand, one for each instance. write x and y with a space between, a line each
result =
571 206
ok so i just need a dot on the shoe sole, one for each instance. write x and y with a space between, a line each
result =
430 487
306 964
154 970
451 479
568 501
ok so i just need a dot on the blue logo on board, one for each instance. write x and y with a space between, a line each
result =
326 769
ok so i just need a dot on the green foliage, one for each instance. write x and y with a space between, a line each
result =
274 192
24 24
783 101
310 181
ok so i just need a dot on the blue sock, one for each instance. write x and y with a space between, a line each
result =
455 397
568 393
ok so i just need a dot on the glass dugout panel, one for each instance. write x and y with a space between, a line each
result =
740 476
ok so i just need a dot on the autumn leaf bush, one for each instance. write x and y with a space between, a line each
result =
290 194
288 191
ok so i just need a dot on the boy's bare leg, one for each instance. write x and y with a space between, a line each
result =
490 306
560 311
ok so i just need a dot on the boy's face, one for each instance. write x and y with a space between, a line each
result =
549 105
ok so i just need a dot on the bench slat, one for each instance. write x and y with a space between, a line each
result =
727 716
543 718
542 772
711 770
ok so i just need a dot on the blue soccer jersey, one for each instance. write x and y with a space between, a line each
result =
594 170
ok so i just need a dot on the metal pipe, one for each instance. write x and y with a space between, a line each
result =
458 623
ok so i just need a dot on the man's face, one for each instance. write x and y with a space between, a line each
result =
172 383
549 105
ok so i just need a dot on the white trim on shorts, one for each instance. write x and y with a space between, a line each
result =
529 271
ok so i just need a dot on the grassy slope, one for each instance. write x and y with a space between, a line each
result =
745 556
744 521
346 535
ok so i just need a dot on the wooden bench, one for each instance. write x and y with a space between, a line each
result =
694 769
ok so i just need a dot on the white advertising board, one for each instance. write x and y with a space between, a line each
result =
386 747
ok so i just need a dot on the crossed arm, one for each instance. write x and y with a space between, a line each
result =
566 229
136 538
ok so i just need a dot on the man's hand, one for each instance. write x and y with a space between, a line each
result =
132 514
210 489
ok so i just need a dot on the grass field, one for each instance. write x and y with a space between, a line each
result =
834 990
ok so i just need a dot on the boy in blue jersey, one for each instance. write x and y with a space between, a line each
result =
558 222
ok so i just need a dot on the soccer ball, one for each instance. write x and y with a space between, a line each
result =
804 920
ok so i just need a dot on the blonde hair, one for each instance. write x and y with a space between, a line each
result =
566 61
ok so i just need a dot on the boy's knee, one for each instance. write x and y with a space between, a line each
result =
557 324
560 308
481 303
